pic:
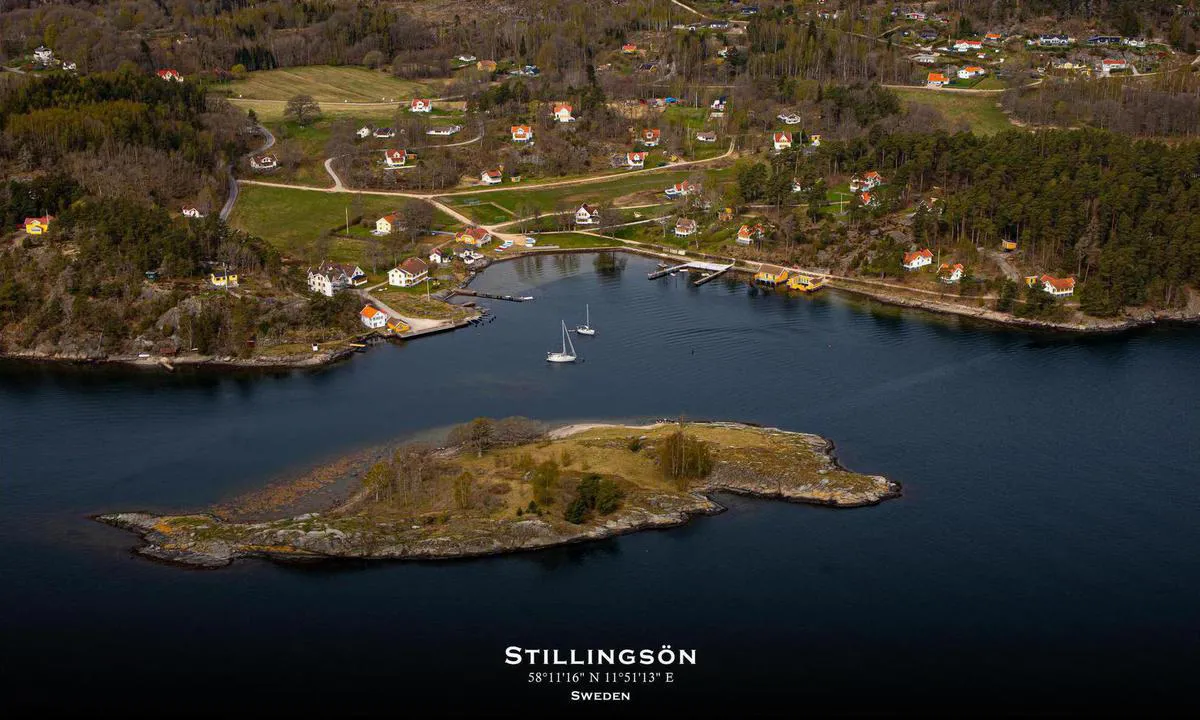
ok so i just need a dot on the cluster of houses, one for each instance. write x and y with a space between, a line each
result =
365 132
967 72
953 273
863 185
44 57
1058 40
329 278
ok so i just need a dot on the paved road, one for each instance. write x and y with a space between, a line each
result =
233 182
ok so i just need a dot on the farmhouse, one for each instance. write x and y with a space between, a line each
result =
936 79
562 113
44 56
685 227
491 177
587 215
681 189
521 133
710 137
408 273
1058 287
636 159
373 317
917 260
328 279
420 105
475 236
651 136
950 274
385 224
967 45
264 162
971 71
395 158
782 140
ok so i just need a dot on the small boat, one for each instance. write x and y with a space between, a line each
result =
564 356
586 328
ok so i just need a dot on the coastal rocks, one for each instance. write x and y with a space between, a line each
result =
763 462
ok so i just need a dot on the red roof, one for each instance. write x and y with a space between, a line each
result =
937 77
520 130
419 102
909 257
562 106
476 232
413 266
45 219
651 133
370 311
1059 283
396 154
782 137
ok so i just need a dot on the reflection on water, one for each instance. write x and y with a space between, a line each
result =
1046 535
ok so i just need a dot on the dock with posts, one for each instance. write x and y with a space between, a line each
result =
713 270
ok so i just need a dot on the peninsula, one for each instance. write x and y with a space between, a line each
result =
509 485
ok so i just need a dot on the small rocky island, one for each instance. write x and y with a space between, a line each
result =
506 485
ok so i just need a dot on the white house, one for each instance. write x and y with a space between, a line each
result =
587 215
363 132
444 131
192 212
782 140
925 58
70 66
651 136
562 113
264 162
1113 64
394 158
408 273
385 224
328 279
685 227
917 260
967 45
373 317
790 118
466 58
747 234
169 74
44 56
950 274
1058 287
636 159
681 189
384 132
436 257
971 71
521 133
869 181
491 177
420 105
710 137
815 140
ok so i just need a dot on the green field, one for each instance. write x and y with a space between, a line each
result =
292 220
329 84
979 111
573 240
568 197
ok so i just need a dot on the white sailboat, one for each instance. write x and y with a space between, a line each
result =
564 356
586 328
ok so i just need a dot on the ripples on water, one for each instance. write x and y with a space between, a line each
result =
1044 550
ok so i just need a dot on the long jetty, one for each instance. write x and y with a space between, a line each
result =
468 292
714 269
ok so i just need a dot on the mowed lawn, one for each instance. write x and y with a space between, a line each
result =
979 111
330 84
293 219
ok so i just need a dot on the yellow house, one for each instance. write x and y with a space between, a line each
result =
1031 280
398 326
37 225
771 275
223 280
805 283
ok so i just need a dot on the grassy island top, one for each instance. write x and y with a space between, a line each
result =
506 485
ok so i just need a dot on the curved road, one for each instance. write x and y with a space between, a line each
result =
233 181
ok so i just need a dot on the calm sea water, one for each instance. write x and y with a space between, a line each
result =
1044 554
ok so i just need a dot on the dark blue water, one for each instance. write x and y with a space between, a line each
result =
1044 553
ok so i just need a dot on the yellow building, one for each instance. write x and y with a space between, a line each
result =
223 280
805 283
1008 246
771 275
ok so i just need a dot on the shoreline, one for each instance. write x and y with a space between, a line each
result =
204 540
994 318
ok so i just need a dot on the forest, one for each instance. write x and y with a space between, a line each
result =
111 156
1166 106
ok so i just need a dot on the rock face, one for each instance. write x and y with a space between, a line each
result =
778 464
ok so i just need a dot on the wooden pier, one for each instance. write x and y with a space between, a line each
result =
490 296
714 269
